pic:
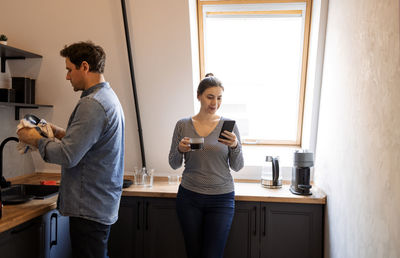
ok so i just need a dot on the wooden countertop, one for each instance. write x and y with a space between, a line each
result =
248 190
14 215
251 190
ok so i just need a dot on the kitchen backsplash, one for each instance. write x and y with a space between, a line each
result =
14 164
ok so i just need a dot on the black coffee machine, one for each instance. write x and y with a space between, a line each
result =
302 162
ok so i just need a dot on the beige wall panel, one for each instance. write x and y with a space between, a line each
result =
358 147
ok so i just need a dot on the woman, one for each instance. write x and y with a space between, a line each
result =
205 200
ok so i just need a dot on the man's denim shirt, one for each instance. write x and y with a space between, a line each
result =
91 156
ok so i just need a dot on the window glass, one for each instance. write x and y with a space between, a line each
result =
257 52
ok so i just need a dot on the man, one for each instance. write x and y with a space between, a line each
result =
90 152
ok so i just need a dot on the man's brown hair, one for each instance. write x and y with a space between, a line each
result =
85 51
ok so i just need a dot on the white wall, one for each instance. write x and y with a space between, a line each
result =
44 27
358 146
163 68
163 57
13 163
161 51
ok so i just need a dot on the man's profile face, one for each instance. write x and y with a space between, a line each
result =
74 75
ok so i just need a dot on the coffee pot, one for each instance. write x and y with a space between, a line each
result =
271 180
302 162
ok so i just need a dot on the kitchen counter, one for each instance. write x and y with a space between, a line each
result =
13 215
246 190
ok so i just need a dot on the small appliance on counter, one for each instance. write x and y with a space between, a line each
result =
302 162
271 181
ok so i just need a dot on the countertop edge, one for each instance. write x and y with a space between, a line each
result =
14 215
32 213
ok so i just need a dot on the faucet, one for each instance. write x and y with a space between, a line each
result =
3 182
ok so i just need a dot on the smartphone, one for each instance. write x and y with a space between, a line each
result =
227 125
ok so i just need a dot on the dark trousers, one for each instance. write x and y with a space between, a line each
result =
88 238
205 221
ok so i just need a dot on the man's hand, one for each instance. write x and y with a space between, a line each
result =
29 136
58 132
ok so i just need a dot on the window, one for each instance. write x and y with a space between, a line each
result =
259 50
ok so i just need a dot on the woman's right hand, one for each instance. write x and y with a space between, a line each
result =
184 145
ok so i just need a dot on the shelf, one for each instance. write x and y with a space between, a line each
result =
8 52
18 106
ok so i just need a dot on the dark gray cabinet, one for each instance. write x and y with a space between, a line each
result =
162 233
244 237
43 237
126 235
291 230
146 228
55 238
149 228
22 241
276 230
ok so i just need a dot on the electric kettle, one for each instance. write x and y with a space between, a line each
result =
271 180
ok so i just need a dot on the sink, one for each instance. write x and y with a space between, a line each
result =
23 192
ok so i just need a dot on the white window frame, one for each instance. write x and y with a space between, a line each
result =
254 155
248 7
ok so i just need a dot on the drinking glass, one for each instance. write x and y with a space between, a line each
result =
174 179
196 143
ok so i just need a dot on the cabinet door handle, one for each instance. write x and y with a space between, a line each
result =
264 220
138 216
53 242
255 220
147 216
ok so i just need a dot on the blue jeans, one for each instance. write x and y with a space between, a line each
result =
88 238
205 221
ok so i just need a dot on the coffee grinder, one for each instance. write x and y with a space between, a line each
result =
302 162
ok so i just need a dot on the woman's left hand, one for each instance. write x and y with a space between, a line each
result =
231 141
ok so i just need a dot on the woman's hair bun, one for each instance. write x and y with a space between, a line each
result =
208 81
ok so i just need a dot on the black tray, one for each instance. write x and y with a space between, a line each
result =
16 199
127 183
